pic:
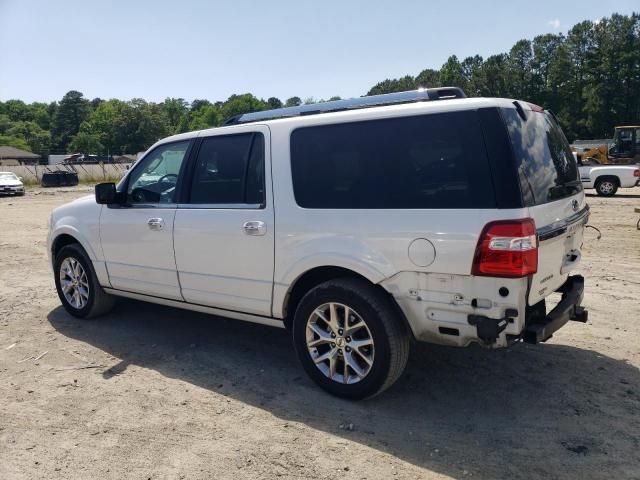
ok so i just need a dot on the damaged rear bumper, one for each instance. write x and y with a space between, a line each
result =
541 329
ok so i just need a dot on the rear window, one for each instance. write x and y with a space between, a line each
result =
547 169
430 161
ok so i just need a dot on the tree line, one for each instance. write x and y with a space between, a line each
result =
589 77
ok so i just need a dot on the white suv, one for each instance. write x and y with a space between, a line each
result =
358 225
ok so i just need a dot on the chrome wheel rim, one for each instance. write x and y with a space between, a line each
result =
74 283
606 187
340 343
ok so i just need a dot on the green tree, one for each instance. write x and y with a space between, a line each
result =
274 102
471 69
198 104
16 142
38 139
85 142
451 73
428 78
177 110
69 115
519 78
205 117
394 85
5 123
293 102
245 103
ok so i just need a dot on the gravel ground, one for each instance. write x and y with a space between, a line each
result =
154 392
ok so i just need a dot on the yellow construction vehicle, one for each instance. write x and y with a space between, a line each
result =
625 149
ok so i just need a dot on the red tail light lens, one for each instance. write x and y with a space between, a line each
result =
507 248
636 173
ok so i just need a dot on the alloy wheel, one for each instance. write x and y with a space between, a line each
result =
607 187
340 343
74 283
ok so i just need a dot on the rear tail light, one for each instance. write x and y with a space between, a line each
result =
507 248
636 173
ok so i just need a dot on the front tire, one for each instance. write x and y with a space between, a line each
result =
606 187
77 285
350 339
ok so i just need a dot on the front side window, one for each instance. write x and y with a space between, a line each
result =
430 161
155 177
229 169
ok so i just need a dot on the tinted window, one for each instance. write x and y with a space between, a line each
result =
154 179
229 169
546 167
431 161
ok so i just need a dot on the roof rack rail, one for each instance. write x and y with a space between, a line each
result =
420 95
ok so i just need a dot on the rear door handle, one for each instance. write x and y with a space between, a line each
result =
255 228
155 223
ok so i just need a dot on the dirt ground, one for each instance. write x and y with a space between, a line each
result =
154 392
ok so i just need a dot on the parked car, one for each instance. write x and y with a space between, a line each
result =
11 184
358 225
84 158
607 179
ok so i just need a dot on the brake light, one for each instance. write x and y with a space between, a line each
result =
636 173
507 248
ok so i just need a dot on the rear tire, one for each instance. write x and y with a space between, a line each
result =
354 358
77 285
606 187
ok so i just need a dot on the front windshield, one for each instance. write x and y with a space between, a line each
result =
8 176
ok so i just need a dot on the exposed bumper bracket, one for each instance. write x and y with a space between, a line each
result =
567 309
489 329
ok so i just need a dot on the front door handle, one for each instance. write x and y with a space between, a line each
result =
155 223
254 228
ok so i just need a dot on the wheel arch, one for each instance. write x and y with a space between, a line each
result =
320 274
66 236
601 178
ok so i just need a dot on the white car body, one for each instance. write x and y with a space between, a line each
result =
253 262
10 183
253 276
627 176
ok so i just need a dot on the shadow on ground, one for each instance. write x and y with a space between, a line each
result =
550 410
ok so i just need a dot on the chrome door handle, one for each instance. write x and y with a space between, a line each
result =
254 228
155 223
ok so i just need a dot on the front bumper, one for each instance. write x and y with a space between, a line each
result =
541 329
11 189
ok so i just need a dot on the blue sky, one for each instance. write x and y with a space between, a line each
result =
211 49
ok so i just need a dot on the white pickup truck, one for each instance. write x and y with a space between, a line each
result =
606 179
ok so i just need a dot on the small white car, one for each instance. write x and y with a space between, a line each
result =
358 225
11 184
606 179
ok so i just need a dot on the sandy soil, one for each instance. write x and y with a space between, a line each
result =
153 392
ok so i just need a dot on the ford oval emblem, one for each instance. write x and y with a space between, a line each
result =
575 205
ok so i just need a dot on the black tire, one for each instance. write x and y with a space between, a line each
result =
606 187
98 302
389 332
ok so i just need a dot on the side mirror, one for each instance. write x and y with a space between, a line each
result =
106 194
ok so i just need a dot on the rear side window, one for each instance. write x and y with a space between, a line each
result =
229 169
547 170
430 161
